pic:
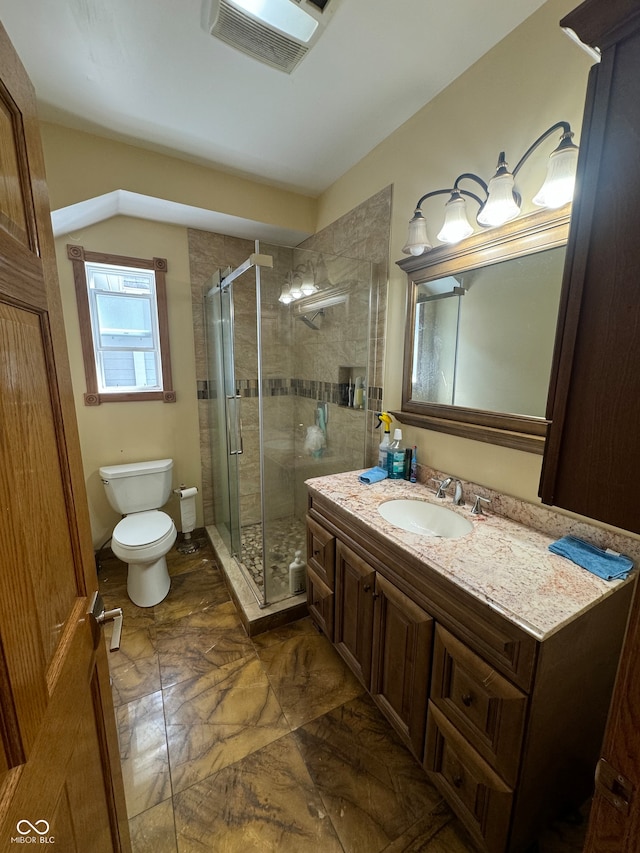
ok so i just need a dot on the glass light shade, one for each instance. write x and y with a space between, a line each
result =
418 239
285 297
456 225
501 206
296 287
561 178
308 286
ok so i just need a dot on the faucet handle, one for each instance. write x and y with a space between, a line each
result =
477 507
439 492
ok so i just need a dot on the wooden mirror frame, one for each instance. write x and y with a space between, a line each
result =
536 232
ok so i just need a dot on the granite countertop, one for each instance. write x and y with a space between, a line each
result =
501 562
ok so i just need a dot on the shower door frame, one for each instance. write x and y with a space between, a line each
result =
227 394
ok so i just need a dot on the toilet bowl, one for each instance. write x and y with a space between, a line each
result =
143 540
145 535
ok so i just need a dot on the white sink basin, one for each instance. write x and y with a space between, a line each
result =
425 518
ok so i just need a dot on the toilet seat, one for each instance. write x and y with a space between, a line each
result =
143 528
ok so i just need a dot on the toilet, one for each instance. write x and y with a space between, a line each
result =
146 534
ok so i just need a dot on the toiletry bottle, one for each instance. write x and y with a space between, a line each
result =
407 463
383 447
413 472
395 457
358 397
297 575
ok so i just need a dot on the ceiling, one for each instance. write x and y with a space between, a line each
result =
146 72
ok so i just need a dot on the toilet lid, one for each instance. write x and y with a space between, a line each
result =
143 528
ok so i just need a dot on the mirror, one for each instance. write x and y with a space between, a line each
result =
481 321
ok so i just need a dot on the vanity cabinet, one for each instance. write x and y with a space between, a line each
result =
591 460
320 576
386 638
507 726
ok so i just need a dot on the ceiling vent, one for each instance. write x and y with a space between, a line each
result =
280 36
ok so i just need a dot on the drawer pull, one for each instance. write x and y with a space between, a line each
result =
467 699
316 553
457 781
367 587
316 603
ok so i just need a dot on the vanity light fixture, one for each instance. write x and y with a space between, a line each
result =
298 283
501 201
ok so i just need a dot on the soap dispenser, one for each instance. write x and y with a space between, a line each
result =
297 575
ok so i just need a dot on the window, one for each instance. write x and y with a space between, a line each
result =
122 308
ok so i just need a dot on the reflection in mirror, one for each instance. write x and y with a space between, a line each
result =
481 320
483 339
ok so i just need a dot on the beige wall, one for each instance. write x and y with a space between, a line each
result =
81 166
530 80
113 433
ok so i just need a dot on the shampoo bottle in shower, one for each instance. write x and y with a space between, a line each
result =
297 575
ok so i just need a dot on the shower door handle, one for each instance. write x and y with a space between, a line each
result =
234 400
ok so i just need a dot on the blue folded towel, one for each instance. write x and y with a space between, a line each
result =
606 566
374 475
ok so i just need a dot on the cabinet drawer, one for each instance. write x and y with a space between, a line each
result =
321 552
487 709
320 600
480 798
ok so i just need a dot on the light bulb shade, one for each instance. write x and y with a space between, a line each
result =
559 184
500 206
418 239
456 225
285 297
296 286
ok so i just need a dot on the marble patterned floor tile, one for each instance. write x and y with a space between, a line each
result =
196 644
285 632
427 829
216 719
179 564
143 753
191 593
372 787
133 679
308 676
265 803
153 831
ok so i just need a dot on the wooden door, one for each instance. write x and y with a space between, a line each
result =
402 644
353 628
60 777
614 825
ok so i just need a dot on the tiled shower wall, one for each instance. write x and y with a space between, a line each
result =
300 365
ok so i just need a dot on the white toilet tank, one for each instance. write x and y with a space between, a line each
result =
137 486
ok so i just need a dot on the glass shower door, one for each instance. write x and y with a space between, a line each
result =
224 411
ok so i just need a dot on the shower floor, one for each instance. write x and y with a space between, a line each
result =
286 537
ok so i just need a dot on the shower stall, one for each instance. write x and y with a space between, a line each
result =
288 360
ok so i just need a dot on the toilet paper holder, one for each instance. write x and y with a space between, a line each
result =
187 497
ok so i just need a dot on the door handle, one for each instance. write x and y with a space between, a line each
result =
237 431
98 616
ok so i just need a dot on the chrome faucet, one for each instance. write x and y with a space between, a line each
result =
457 495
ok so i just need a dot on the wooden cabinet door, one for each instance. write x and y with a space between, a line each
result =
402 643
60 778
353 629
592 458
320 603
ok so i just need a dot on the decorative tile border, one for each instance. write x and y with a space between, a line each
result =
326 392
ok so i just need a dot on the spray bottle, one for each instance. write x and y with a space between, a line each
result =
384 418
